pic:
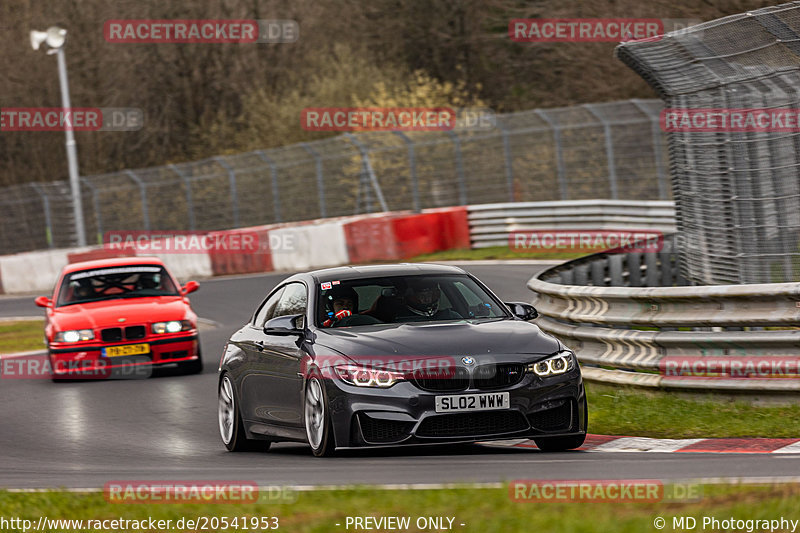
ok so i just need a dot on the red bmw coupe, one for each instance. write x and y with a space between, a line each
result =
109 316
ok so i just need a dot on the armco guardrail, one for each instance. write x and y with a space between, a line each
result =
491 224
622 325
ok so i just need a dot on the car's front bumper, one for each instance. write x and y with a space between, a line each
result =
87 362
405 414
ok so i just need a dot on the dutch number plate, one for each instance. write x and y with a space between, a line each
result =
472 402
128 349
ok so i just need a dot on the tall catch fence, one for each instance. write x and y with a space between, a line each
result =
737 193
609 150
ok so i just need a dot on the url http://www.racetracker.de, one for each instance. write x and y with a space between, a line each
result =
45 524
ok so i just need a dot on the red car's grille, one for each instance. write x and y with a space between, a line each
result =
116 334
111 334
134 332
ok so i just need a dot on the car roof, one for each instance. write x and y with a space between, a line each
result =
112 262
372 271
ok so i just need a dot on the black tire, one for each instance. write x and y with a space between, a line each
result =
236 440
561 444
316 417
195 366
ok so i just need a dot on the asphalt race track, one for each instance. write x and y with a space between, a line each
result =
84 434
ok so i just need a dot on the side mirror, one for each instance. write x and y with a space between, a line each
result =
284 325
43 301
190 286
523 310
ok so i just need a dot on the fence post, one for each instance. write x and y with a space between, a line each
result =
412 166
508 160
276 193
47 217
655 126
612 168
143 194
462 185
189 201
367 164
234 195
96 205
320 182
561 169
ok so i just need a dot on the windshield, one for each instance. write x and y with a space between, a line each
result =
404 299
115 282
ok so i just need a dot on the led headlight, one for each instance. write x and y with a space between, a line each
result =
367 377
74 335
173 326
554 365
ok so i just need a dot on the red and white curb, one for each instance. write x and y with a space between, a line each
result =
610 443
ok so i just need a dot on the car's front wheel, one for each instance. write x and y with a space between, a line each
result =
231 428
317 419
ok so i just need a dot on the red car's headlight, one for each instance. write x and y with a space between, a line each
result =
173 326
74 335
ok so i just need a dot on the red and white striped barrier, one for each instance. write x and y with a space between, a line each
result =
294 246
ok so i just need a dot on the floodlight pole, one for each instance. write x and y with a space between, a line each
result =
72 151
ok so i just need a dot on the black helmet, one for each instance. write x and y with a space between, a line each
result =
339 292
422 296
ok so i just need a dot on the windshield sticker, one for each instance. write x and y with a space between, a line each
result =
111 271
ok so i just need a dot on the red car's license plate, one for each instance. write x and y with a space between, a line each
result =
128 349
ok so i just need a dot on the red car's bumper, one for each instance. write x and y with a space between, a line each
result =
90 361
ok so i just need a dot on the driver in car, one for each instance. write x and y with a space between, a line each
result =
340 303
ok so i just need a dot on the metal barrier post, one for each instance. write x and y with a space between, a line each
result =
562 172
96 205
655 127
508 160
367 164
612 168
143 194
276 194
234 195
412 166
320 182
47 218
189 201
462 185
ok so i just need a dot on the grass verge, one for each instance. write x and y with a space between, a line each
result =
631 411
480 510
21 336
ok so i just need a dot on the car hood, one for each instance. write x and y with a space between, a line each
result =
497 338
107 313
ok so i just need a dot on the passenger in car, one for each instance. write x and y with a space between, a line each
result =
422 303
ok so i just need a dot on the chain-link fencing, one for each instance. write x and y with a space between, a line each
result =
737 191
610 150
